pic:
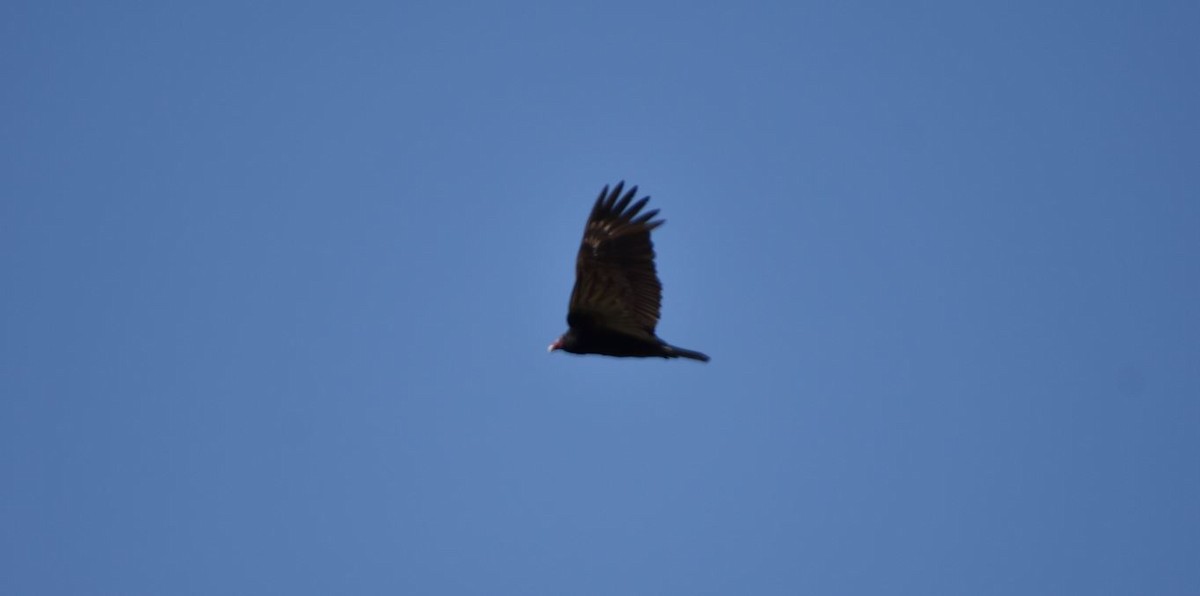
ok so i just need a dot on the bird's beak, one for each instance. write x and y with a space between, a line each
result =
557 345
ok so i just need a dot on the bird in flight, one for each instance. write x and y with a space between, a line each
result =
615 303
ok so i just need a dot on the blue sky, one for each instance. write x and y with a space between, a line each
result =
278 280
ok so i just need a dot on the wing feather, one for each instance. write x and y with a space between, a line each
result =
616 284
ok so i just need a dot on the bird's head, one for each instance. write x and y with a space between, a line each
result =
564 342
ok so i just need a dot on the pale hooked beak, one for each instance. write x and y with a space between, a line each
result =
557 345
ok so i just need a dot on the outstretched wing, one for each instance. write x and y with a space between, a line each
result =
616 285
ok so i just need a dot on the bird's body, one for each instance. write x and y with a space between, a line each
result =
616 300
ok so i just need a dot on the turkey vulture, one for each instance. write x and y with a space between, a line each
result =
615 303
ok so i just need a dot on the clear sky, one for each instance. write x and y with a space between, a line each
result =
278 280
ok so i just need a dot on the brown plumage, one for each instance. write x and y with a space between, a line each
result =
615 303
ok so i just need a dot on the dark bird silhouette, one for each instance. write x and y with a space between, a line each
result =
615 303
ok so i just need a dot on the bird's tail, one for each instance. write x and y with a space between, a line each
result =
676 352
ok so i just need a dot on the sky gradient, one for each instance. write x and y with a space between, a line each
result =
278 279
